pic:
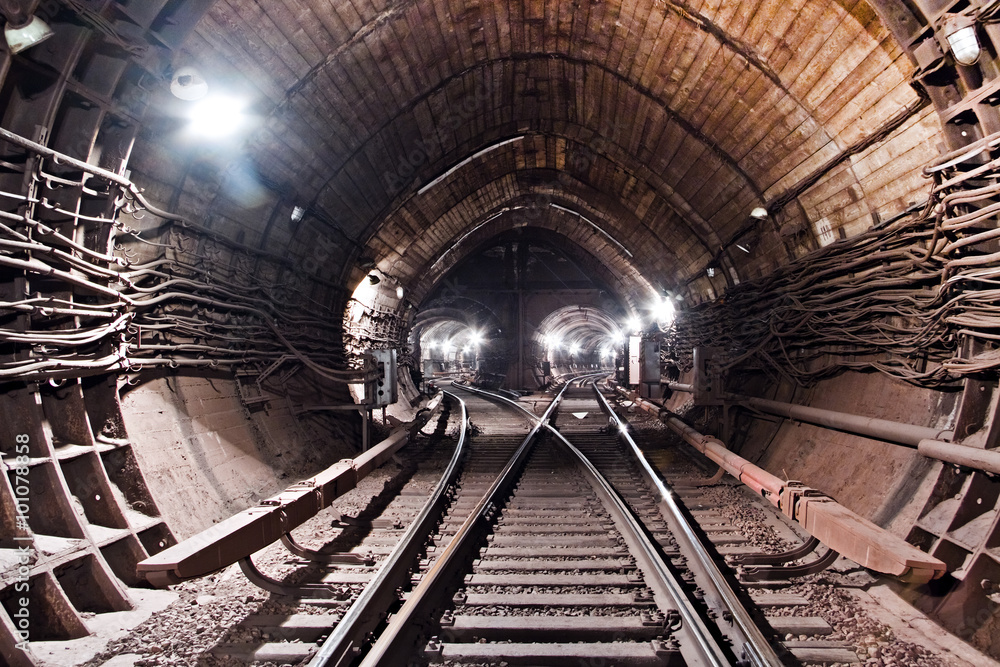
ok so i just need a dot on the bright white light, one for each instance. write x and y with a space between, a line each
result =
431 345
466 349
446 347
742 248
574 348
710 271
217 117
618 338
475 339
552 341
759 213
635 325
664 311
400 292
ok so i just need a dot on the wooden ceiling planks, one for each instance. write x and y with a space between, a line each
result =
689 93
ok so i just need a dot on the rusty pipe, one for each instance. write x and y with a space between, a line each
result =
836 526
761 481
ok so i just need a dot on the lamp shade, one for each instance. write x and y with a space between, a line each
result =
960 32
23 37
188 84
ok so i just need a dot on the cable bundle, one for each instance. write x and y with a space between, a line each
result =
916 300
78 301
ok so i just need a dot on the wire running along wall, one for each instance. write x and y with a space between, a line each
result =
904 300
88 294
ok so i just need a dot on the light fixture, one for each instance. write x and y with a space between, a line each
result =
664 311
188 84
298 213
635 325
743 248
373 279
24 34
399 292
960 32
217 116
759 213
710 271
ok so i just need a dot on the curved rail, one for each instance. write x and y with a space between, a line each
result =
709 651
388 646
756 649
365 613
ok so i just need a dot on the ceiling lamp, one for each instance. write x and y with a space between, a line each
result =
21 35
216 117
373 279
960 32
188 84
759 213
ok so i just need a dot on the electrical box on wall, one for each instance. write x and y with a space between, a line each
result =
708 381
634 366
649 369
385 387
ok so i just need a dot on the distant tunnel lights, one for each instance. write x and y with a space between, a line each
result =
960 32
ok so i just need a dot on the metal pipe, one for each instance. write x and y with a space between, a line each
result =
928 441
872 427
971 457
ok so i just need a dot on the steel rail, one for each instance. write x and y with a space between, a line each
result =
345 642
388 648
757 650
711 653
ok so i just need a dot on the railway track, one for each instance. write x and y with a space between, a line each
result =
545 539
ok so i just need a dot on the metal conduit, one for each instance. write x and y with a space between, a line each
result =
930 442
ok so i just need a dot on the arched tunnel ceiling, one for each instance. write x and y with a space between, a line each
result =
410 124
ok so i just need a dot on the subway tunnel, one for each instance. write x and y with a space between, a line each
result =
213 211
